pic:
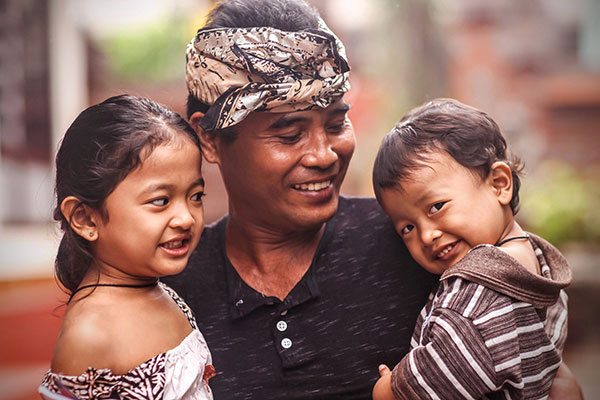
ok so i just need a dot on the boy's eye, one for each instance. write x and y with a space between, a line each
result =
198 196
406 230
436 207
160 202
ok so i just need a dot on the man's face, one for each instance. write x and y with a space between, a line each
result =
283 172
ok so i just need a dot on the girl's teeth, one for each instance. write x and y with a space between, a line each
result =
313 187
173 245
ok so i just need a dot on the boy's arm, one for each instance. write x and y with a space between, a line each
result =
454 364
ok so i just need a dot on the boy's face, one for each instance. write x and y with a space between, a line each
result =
444 210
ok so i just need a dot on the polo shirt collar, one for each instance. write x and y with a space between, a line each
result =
243 299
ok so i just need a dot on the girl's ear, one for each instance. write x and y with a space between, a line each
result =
209 142
501 180
82 218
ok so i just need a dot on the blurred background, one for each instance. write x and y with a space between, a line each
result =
534 65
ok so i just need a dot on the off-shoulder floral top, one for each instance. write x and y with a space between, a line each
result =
180 373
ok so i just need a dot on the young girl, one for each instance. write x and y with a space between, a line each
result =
129 193
496 325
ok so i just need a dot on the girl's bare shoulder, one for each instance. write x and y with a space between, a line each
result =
118 331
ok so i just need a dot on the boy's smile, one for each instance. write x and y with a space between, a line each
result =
444 210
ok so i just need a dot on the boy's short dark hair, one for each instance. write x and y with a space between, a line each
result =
467 134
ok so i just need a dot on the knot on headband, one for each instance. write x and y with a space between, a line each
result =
235 71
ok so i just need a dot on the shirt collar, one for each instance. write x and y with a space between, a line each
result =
243 299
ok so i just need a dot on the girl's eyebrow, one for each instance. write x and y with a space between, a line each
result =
167 186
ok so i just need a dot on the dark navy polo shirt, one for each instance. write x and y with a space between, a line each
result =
355 308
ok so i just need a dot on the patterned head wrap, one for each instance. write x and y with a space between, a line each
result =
234 71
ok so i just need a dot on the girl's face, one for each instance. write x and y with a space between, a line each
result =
155 215
446 209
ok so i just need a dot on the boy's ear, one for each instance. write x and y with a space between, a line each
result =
209 142
501 180
82 219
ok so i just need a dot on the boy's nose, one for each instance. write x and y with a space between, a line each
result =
430 235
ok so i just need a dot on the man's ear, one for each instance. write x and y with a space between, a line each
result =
208 141
501 180
82 218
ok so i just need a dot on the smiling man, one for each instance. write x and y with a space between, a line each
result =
301 293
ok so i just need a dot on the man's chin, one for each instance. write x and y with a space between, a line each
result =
315 216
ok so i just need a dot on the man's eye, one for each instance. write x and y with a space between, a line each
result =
290 139
160 202
198 196
407 229
336 128
436 207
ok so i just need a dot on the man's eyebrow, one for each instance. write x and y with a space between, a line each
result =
291 119
342 108
286 120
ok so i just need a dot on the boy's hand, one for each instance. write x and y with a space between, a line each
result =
383 388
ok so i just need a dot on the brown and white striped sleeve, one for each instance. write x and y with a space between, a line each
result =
474 342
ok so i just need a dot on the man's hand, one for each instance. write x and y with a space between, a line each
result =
383 388
565 386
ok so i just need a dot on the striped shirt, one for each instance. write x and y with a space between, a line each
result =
490 330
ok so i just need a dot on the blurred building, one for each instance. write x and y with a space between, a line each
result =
533 65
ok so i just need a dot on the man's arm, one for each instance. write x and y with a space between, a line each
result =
565 386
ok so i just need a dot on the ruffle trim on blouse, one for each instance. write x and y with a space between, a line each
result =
176 374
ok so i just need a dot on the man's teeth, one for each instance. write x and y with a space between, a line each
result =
313 186
173 245
446 250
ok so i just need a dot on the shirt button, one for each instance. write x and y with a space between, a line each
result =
286 343
281 326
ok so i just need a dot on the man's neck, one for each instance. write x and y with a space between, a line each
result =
270 262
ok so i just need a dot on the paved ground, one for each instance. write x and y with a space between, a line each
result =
30 313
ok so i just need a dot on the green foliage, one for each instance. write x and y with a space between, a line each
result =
561 203
153 52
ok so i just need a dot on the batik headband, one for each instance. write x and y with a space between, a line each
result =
234 71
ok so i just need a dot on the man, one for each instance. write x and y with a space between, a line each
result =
300 293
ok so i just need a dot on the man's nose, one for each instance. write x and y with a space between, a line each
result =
320 153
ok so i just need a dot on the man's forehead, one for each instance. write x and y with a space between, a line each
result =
339 105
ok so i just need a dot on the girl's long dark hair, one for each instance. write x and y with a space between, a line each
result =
100 148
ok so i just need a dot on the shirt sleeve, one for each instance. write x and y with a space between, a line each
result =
453 363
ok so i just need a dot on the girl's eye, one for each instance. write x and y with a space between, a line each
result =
406 230
436 207
198 196
160 202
